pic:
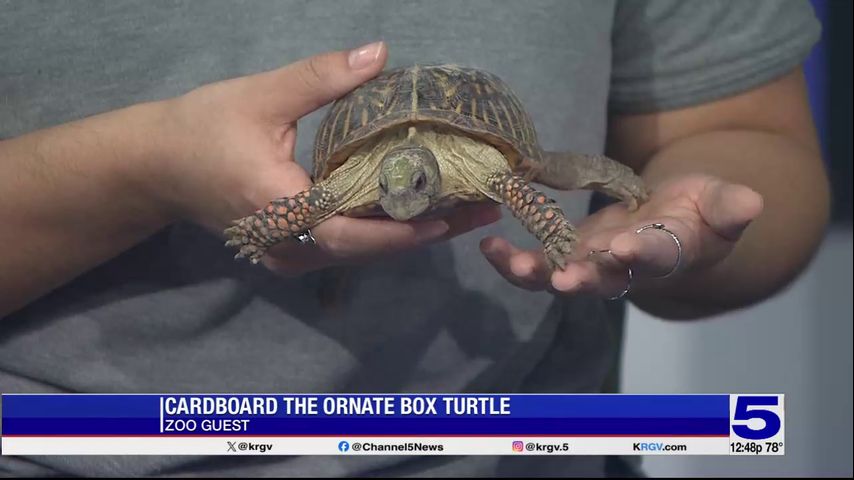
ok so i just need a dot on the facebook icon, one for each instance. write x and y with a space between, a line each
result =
343 446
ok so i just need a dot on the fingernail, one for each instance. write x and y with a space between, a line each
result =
365 56
487 246
624 244
562 282
432 231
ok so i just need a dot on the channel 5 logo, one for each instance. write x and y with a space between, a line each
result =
518 446
757 417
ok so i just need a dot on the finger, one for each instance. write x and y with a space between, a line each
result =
469 217
345 241
291 259
306 85
729 208
654 252
366 237
602 275
525 269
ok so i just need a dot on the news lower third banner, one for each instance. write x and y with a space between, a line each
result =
377 424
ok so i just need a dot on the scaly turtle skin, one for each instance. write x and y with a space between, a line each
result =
418 139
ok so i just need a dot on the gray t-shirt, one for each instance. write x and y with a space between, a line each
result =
177 314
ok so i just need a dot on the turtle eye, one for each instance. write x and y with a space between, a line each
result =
420 181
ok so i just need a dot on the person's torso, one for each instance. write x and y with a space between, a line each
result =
179 314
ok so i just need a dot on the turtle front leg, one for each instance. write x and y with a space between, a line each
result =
574 171
280 220
540 214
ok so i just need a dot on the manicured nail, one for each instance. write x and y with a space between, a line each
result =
365 56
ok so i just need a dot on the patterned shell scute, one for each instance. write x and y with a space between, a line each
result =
474 101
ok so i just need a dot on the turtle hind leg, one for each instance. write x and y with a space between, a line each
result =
540 214
280 220
573 171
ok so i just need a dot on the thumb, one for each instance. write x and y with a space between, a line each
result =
729 208
308 84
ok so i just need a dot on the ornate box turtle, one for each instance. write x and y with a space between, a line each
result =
415 140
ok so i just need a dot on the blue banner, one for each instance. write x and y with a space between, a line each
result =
372 414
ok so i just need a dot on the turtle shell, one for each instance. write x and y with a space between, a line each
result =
471 101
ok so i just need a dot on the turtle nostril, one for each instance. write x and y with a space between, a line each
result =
420 182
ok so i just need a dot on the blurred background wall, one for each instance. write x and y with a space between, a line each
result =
799 343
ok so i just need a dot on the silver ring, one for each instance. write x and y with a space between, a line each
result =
628 281
660 226
306 238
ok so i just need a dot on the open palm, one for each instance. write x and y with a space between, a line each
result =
706 213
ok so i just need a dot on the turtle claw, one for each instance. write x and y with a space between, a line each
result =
252 252
236 237
555 260
252 245
632 193
559 246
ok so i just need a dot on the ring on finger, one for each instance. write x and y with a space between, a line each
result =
629 275
660 226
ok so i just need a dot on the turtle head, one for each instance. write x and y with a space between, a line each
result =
409 182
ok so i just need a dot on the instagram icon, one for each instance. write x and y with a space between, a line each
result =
518 446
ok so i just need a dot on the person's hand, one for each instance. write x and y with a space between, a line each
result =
707 214
228 149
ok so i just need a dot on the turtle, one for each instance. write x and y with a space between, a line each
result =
419 139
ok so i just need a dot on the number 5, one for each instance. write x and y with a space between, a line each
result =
772 420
